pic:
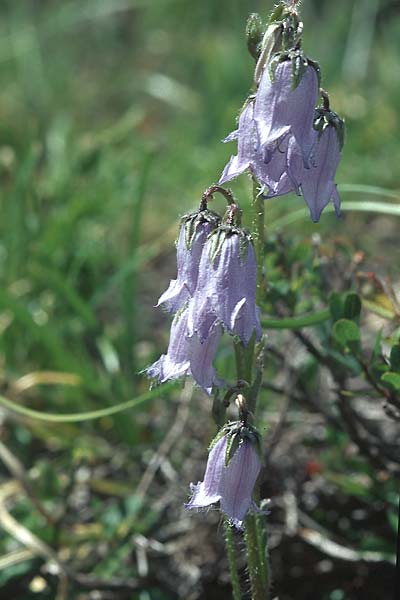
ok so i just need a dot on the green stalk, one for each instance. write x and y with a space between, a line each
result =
255 529
258 237
297 322
231 554
257 571
261 526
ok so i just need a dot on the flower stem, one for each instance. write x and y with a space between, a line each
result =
231 554
257 571
255 527
263 549
258 237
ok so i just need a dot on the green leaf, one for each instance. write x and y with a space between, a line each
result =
347 334
336 306
392 379
352 306
395 358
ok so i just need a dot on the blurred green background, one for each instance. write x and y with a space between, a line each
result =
111 117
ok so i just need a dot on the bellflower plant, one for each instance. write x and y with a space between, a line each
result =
287 145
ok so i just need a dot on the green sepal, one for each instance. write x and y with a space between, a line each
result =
236 432
219 235
298 69
299 63
277 13
328 118
228 429
216 240
233 443
193 220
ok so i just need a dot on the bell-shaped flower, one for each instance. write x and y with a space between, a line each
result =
284 105
247 156
188 355
207 492
238 481
318 182
226 286
284 170
192 236
232 469
279 176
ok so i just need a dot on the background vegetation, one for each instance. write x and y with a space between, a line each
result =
112 112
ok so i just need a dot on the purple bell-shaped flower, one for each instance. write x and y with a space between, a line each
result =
192 236
285 104
318 181
232 469
226 286
188 355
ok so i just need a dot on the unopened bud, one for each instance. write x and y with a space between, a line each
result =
254 34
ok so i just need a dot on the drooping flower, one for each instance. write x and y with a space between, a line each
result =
226 286
279 175
188 355
284 104
232 469
318 182
193 233
238 481
247 157
207 492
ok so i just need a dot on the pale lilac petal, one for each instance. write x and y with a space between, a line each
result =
280 109
188 355
176 362
284 170
182 288
207 492
226 291
233 169
233 136
201 358
317 183
247 142
238 481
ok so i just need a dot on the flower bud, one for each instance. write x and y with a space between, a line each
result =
254 34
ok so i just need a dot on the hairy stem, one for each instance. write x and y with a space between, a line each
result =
258 574
255 527
231 554
258 237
